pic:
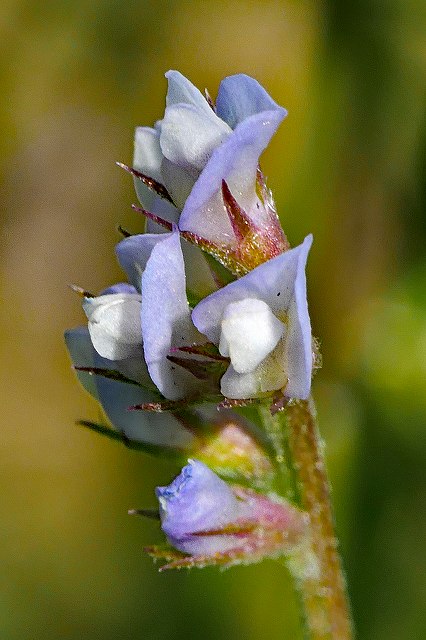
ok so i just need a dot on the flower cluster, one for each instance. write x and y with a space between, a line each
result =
213 317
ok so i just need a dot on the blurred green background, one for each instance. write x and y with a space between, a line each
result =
348 164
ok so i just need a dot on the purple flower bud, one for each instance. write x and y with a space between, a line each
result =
217 523
198 501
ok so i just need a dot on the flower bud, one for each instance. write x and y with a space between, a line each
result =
235 453
218 523
198 501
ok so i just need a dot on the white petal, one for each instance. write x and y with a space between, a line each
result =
250 331
178 182
239 386
114 324
189 137
181 90
147 159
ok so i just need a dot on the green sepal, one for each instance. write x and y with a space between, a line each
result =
157 450
202 370
152 514
221 275
207 349
113 374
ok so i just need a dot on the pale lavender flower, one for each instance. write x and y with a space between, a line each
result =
261 322
196 155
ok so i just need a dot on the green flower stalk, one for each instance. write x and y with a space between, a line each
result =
206 353
324 594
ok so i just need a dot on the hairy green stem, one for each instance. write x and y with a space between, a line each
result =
320 578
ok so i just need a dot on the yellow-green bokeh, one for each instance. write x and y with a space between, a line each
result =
348 164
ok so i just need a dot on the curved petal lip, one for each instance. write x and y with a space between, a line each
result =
240 97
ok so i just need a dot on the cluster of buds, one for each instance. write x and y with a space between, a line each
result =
213 318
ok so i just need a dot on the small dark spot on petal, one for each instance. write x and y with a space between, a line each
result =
279 293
